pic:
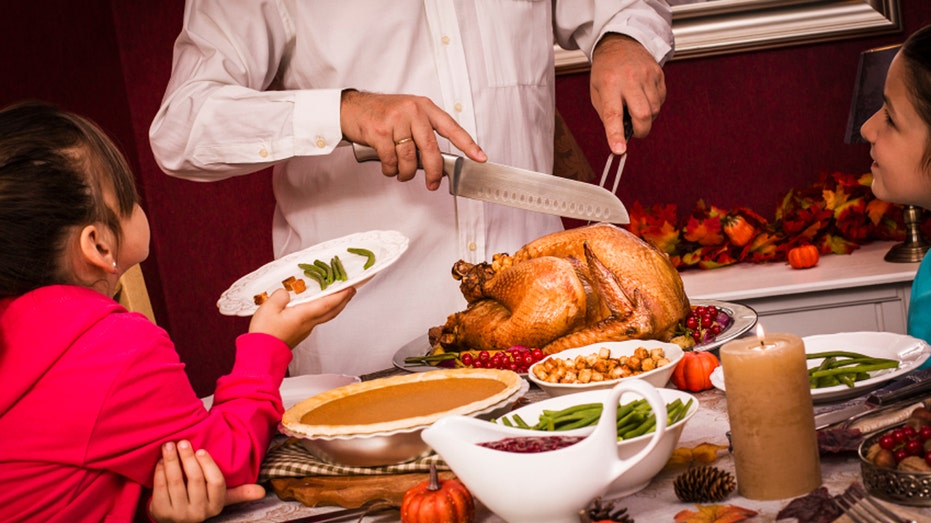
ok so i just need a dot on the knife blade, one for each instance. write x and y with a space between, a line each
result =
908 387
523 189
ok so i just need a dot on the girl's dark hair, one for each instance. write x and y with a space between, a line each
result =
917 54
55 168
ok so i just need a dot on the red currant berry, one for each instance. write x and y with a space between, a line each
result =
900 454
887 442
898 435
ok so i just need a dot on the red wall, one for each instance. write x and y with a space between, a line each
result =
735 130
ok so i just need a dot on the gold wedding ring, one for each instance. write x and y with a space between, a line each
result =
402 140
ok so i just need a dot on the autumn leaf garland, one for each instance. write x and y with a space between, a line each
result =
837 213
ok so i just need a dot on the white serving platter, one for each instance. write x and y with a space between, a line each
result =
388 246
910 352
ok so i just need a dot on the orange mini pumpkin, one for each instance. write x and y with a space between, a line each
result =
435 501
693 372
738 229
803 256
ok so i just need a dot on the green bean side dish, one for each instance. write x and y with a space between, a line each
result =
844 368
633 419
326 273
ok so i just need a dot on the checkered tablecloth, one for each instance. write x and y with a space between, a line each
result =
292 460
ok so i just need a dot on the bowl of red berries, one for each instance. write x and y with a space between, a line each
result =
712 323
896 462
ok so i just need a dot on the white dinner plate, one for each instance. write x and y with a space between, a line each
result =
911 353
298 388
239 299
744 318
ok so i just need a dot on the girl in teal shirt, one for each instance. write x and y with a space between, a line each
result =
900 138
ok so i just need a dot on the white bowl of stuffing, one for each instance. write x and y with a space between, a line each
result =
602 365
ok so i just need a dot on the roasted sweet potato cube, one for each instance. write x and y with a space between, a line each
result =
260 298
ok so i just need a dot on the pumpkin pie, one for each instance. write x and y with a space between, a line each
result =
400 402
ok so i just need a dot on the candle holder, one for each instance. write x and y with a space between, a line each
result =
913 249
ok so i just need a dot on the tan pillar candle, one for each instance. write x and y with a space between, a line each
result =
771 416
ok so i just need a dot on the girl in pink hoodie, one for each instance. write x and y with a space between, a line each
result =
89 392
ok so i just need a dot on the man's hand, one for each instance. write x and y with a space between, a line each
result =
399 127
624 74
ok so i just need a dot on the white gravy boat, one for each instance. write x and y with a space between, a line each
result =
543 487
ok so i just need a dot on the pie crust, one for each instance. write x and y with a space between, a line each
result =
400 402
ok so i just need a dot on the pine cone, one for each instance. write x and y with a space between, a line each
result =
704 484
596 511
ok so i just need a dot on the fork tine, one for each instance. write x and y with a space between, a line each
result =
848 507
856 501
879 510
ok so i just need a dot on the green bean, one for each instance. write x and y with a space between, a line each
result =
583 422
647 425
847 379
844 367
633 419
317 278
327 269
432 359
835 354
859 368
338 270
369 255
520 422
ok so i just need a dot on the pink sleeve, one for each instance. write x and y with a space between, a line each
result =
152 401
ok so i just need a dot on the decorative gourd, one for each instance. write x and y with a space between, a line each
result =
738 229
803 256
693 372
435 501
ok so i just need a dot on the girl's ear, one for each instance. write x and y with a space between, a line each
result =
98 248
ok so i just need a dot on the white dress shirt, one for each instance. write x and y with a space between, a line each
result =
257 83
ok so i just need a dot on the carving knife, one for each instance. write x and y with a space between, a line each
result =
523 189
910 386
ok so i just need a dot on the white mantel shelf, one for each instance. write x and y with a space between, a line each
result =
857 291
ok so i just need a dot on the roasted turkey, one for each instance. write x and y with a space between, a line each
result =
567 289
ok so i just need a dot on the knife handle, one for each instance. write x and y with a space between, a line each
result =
364 153
628 126
451 163
911 384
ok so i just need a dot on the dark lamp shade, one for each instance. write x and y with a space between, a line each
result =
868 90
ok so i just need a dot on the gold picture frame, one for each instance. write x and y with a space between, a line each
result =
713 27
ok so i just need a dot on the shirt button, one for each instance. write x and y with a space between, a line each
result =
263 152
320 143
472 246
457 107
445 40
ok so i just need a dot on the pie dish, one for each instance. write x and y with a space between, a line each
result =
399 402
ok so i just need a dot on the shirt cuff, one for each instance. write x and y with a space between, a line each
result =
259 353
316 123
